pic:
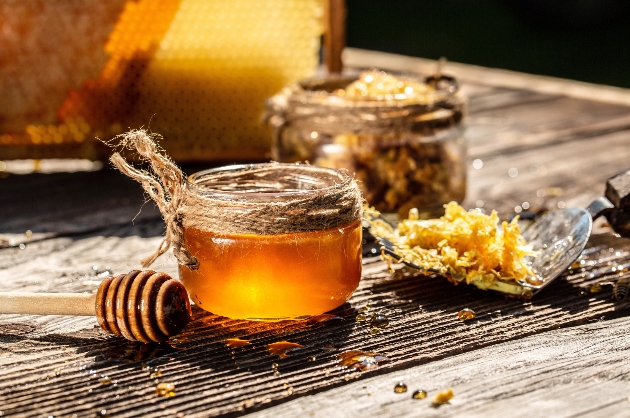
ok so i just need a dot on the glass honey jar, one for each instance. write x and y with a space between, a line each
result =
401 137
275 241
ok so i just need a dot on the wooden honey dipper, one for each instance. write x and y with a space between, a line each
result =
140 305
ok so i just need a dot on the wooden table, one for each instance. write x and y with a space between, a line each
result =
565 353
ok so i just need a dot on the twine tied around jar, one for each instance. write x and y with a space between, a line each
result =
218 204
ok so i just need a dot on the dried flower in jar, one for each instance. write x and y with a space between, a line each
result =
379 84
402 137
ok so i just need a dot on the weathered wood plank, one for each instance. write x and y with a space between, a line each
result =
577 170
360 58
581 371
422 311
79 263
528 126
70 203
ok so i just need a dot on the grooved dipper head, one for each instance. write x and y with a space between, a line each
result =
142 306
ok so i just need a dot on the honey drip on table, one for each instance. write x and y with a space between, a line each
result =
419 394
165 389
281 348
400 387
466 314
236 342
360 360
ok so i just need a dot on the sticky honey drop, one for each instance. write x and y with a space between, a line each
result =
419 394
236 342
595 288
360 360
375 331
282 348
534 281
106 381
165 389
400 387
466 314
364 310
379 321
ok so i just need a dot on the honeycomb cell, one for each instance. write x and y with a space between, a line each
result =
197 71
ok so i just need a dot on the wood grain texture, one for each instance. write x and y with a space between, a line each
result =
573 172
211 380
533 376
70 203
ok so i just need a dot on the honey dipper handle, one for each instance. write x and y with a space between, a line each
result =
81 304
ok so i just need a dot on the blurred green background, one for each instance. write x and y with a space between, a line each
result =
587 40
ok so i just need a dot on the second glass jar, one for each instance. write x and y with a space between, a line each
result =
406 150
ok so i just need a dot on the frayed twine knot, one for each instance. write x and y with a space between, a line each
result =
165 185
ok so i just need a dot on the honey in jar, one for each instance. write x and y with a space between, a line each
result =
273 276
303 265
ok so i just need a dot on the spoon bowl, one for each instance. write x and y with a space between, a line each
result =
558 238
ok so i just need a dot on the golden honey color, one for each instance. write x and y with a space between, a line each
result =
273 277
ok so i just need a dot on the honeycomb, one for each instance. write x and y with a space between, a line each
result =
195 71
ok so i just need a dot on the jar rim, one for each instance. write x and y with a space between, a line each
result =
321 180
316 90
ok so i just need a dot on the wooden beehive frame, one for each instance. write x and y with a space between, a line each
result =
334 35
333 43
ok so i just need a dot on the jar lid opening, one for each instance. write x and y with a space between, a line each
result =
266 181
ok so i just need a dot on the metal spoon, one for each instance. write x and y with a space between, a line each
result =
558 237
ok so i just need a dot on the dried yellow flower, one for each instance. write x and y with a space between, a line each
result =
464 246
442 397
376 84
